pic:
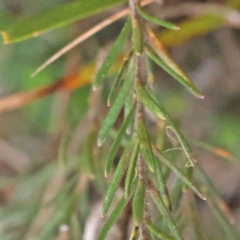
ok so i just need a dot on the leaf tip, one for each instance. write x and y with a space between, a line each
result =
162 117
104 209
34 74
198 94
99 142
5 37
203 198
152 169
39 69
176 28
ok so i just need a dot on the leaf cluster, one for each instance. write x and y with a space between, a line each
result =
137 166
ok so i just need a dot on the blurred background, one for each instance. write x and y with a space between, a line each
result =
31 136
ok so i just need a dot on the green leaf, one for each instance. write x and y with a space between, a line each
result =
176 130
115 109
131 171
156 20
115 87
164 211
127 107
192 28
137 37
159 49
176 192
186 83
185 146
193 216
57 17
62 149
89 158
75 226
148 101
162 185
156 231
116 144
117 177
138 203
112 55
112 218
177 171
145 142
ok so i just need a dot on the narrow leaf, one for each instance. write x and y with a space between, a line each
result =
185 146
156 20
162 185
75 226
116 144
117 177
192 28
162 53
176 130
113 53
128 104
193 216
138 203
156 231
189 85
176 193
164 211
59 16
89 153
62 149
177 171
148 101
137 37
115 109
145 142
112 218
127 107
131 171
113 93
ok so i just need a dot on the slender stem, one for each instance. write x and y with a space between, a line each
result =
140 76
